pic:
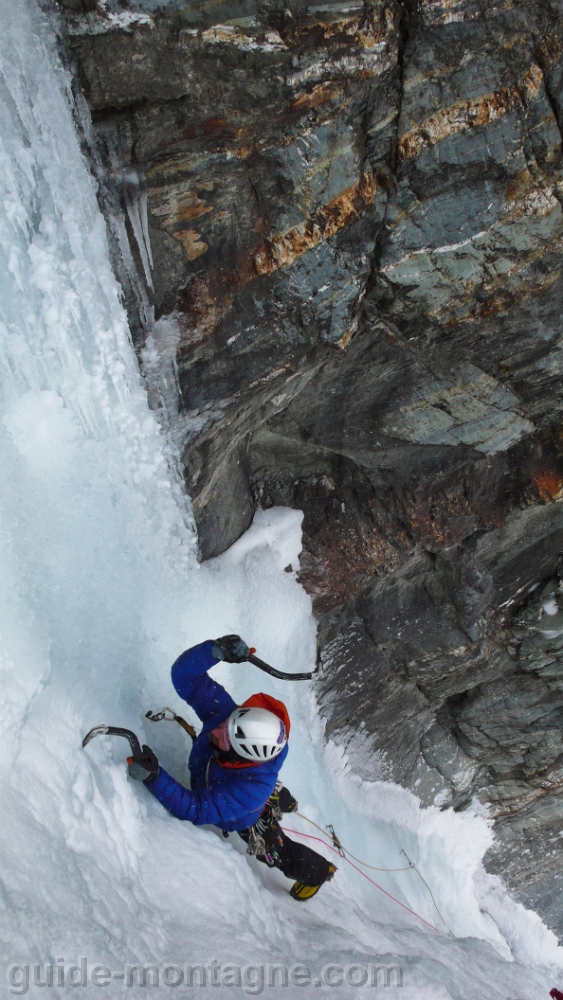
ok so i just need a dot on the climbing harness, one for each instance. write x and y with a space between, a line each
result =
263 836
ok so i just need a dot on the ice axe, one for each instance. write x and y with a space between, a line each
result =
115 731
278 673
156 717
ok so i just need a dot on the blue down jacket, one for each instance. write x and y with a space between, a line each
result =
231 798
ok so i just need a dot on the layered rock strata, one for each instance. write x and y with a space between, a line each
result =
339 233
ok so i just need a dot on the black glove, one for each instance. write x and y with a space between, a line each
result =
230 648
286 802
144 767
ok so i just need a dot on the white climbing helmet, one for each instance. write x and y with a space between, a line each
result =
256 733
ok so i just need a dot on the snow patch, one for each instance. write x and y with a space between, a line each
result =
43 430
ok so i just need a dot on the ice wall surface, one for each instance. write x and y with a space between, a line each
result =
100 591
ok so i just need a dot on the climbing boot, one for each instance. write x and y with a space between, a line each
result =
302 892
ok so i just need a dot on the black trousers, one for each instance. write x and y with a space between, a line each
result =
294 860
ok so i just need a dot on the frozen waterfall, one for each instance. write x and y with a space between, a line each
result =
100 590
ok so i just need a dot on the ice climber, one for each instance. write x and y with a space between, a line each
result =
234 766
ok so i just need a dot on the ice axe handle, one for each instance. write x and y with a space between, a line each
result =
277 673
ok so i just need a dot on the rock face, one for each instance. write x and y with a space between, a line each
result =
339 233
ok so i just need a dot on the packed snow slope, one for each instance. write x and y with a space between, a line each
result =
100 590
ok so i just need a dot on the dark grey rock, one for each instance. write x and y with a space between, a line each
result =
79 5
425 682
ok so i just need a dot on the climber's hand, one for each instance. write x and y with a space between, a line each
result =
231 648
144 767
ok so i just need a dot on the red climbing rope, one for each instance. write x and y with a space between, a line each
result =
384 891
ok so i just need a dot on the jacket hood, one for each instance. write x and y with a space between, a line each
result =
266 701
